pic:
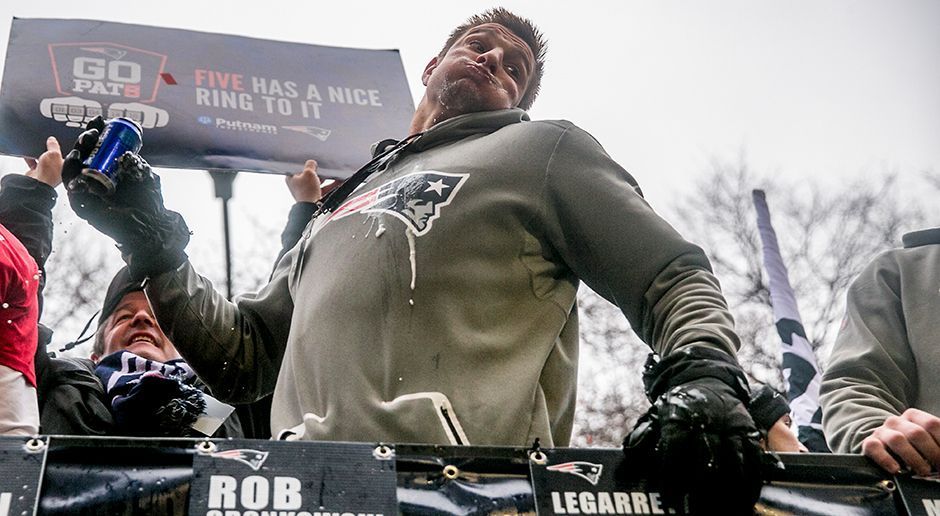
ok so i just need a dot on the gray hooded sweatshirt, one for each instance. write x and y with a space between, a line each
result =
437 304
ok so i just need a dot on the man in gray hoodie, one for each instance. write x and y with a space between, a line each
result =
431 298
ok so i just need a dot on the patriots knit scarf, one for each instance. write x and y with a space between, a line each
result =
150 398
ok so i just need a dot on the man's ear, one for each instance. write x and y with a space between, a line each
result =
432 64
94 357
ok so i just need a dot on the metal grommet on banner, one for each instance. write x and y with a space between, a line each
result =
451 472
206 447
35 445
888 485
538 457
535 452
383 452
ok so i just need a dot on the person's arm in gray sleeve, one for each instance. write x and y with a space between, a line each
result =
867 378
607 233
870 382
705 443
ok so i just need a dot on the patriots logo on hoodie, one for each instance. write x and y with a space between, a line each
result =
416 199
586 470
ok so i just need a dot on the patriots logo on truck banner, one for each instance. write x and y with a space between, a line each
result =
586 470
252 458
416 199
298 479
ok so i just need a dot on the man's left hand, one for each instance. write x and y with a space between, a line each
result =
706 445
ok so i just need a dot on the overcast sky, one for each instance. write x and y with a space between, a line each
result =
809 89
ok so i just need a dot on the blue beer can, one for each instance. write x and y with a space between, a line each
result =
120 135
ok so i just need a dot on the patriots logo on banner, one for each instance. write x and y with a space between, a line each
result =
317 132
113 53
586 470
416 199
252 458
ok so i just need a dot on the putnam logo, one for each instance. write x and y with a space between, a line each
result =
416 199
251 458
586 470
246 127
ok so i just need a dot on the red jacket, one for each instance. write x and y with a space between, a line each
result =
19 306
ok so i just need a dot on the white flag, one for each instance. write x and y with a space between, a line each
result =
801 373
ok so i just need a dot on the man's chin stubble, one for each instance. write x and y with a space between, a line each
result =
458 98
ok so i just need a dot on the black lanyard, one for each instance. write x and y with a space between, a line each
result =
336 197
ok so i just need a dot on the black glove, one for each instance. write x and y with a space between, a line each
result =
699 434
151 238
72 170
